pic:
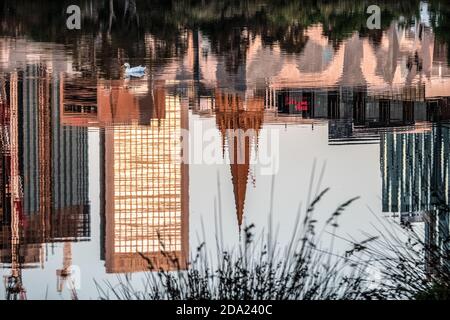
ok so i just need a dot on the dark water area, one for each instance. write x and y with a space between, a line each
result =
98 167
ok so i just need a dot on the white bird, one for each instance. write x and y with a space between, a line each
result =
135 71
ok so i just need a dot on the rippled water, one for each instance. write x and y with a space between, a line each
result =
91 168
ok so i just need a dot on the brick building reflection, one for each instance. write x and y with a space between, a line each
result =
144 187
358 89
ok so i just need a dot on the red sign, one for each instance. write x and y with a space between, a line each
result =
298 105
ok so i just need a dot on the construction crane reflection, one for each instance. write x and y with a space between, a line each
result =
9 140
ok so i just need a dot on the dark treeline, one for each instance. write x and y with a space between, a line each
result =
120 26
440 17
276 20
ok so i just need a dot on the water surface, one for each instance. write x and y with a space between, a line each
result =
91 170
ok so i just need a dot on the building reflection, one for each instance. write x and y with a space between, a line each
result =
358 89
386 88
146 193
144 187
44 170
239 121
415 171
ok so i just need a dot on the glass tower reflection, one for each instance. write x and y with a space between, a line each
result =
44 173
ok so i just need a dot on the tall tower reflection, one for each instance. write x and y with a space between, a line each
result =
239 122
144 199
54 166
145 189
44 172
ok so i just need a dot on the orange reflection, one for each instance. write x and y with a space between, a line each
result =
239 122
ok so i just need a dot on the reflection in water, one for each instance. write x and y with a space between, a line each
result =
239 122
415 170
145 189
387 88
44 172
146 192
